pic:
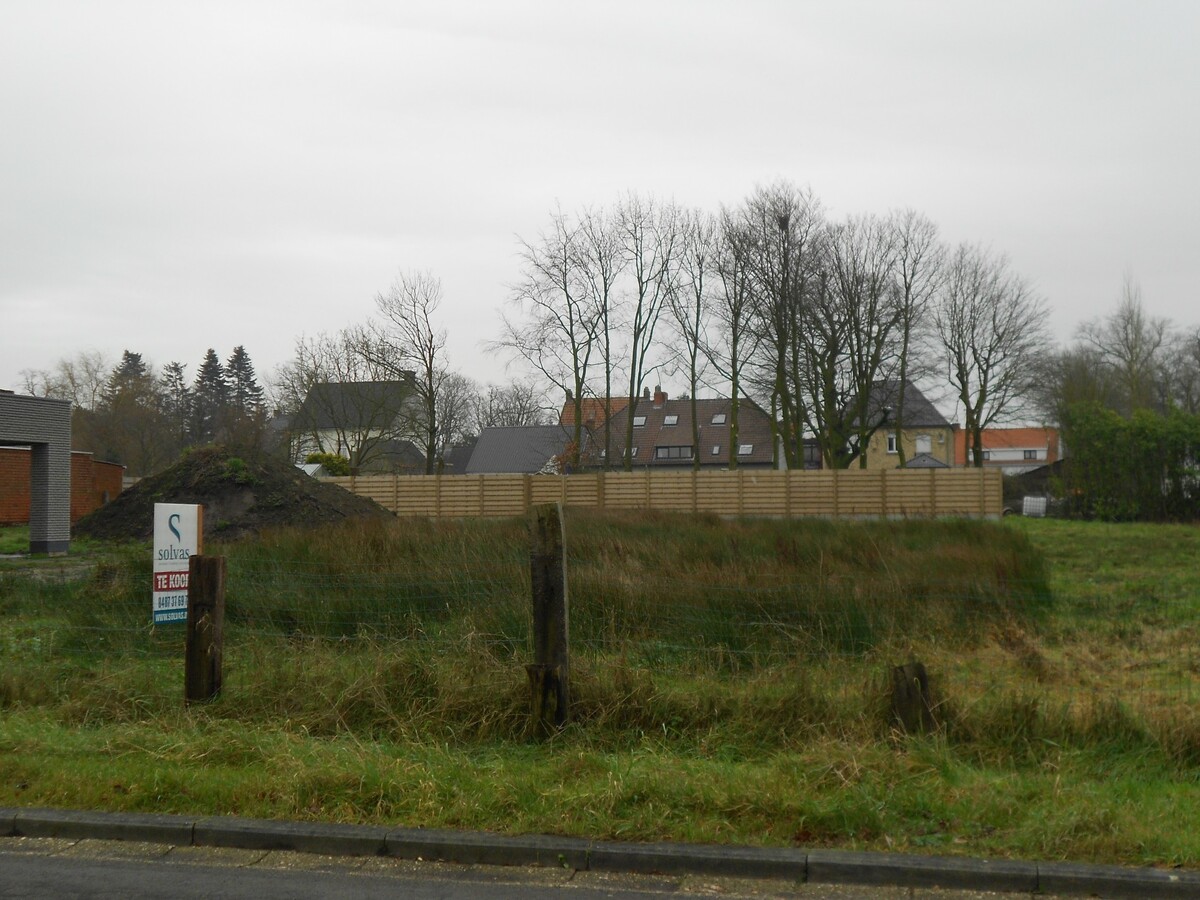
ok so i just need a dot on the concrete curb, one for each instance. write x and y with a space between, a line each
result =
475 847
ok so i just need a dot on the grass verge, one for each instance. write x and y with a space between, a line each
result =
729 680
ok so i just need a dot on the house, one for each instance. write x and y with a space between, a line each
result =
360 420
93 483
924 432
526 449
457 456
1012 450
663 435
593 410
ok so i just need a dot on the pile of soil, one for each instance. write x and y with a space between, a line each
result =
242 493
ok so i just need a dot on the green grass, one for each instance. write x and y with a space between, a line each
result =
14 539
729 683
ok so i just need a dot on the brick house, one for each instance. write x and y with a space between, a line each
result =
93 483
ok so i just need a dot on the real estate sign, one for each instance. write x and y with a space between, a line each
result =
178 535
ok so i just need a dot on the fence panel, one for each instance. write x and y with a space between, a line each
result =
852 493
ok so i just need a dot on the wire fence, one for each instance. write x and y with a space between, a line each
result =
1139 650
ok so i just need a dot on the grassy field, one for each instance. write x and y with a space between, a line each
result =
730 682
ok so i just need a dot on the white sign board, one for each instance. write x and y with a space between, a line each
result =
178 535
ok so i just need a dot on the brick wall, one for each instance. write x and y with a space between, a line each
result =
93 483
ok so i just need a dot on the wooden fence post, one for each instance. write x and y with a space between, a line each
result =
550 670
205 641
913 709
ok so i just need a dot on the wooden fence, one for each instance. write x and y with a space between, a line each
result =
744 492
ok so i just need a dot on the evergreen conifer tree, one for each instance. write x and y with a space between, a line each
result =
210 398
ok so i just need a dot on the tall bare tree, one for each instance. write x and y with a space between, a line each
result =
735 341
919 264
556 322
782 225
406 338
861 312
688 303
649 233
992 328
601 264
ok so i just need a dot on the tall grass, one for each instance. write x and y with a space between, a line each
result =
697 629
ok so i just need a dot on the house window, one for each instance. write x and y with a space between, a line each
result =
634 453
924 443
639 421
673 452
1031 454
987 454
718 419
716 451
745 449
670 420
892 444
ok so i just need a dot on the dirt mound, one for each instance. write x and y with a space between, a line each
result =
241 493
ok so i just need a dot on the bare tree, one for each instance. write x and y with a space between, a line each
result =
556 322
520 402
1070 376
458 399
1183 364
850 338
919 263
688 303
406 339
735 341
1133 345
781 225
601 264
992 328
649 233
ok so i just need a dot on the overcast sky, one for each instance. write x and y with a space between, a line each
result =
179 176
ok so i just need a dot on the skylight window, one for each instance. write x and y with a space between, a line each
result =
718 419
639 421
716 450
745 449
670 420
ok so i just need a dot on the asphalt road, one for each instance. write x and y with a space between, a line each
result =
95 869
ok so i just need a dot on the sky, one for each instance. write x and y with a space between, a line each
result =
182 176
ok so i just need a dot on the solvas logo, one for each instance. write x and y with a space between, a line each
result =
176 550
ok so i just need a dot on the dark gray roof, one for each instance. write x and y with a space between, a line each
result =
925 461
754 431
517 448
396 456
353 404
918 411
456 457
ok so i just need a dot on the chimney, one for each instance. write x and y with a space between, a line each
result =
645 393
660 396
570 395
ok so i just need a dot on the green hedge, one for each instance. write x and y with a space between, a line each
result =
1143 467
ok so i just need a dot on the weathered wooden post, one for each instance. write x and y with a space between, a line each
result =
205 628
549 672
912 702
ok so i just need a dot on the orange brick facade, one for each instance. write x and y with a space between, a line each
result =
93 483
